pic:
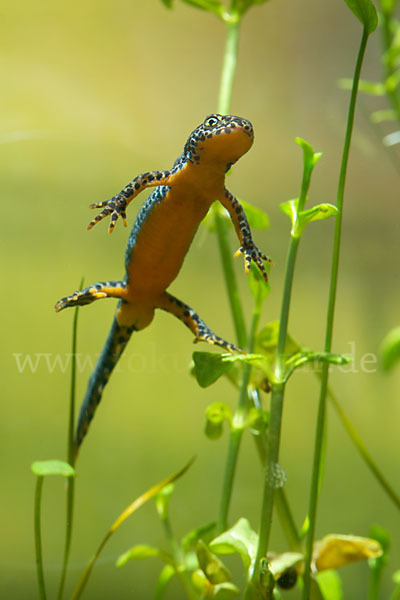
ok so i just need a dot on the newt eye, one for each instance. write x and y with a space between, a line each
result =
211 121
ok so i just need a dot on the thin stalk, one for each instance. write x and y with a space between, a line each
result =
230 281
363 450
390 67
236 434
274 433
396 593
177 554
312 512
287 521
277 398
229 63
224 101
38 538
70 458
282 506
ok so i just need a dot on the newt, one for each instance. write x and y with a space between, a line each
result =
160 238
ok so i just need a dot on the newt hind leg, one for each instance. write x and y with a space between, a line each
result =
192 320
105 289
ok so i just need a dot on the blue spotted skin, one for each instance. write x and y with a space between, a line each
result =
159 240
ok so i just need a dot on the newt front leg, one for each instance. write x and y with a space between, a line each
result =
117 205
242 228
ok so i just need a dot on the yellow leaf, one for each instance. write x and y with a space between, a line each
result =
335 551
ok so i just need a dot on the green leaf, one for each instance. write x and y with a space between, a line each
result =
220 591
41 468
388 6
240 539
300 220
330 585
381 535
213 6
162 501
216 414
319 212
267 341
393 81
368 87
257 218
208 367
140 552
365 12
167 3
224 591
290 209
212 567
301 358
166 575
310 157
244 5
390 349
396 577
379 116
129 510
257 420
204 532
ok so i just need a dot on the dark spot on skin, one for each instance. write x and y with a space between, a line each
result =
150 178
159 176
137 186
186 313
227 130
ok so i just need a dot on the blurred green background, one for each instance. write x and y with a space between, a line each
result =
94 93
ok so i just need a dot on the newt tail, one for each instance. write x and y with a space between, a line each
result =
116 342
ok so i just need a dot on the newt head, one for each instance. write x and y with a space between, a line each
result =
220 140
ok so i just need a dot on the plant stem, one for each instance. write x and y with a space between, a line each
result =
230 280
277 398
38 538
224 101
236 433
312 513
177 554
229 64
70 457
363 450
390 67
